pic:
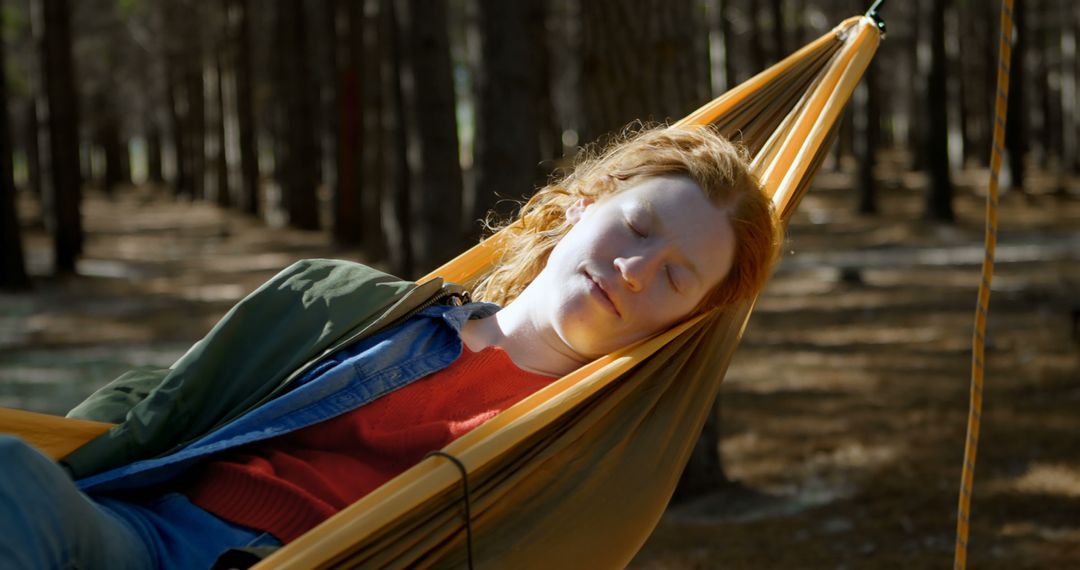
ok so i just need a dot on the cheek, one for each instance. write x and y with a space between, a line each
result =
667 310
591 238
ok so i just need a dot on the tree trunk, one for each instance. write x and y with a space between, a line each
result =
196 125
730 75
324 46
656 76
278 125
12 265
978 79
183 182
507 149
218 173
430 124
917 95
798 35
372 151
64 192
1048 33
757 43
300 165
349 213
1070 118
547 120
1074 72
1016 135
939 189
245 105
967 120
567 79
115 148
32 142
154 172
704 471
395 200
779 41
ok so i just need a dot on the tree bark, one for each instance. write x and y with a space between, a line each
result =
64 193
939 191
507 149
430 124
12 265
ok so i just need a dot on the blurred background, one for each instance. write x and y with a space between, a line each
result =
160 159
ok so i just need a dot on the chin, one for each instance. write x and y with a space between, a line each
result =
592 350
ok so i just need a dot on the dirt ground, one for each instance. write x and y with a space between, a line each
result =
844 410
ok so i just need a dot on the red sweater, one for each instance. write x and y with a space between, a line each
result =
289 484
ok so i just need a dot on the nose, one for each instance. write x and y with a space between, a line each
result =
638 271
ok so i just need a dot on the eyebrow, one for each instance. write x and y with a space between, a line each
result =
658 227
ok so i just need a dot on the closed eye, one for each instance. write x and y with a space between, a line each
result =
636 231
671 279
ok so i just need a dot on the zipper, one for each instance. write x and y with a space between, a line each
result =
457 300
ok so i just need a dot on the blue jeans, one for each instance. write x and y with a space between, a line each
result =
45 522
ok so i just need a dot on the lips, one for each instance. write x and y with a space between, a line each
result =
597 287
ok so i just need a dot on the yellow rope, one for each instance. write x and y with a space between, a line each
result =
978 339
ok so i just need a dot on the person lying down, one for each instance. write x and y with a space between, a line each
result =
332 378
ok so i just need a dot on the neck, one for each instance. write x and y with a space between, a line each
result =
532 347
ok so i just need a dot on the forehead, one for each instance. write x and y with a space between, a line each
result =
664 191
696 227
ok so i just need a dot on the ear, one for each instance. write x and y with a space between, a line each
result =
577 209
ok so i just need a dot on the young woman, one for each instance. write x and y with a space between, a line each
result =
269 433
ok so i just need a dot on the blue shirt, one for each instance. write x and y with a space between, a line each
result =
348 379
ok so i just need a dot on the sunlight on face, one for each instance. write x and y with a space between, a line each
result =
634 263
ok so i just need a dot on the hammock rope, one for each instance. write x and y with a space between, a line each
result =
982 306
466 499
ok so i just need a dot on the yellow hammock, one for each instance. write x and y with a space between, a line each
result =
578 474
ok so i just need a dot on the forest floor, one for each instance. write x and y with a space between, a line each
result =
844 409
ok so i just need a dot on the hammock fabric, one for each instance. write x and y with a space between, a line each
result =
578 474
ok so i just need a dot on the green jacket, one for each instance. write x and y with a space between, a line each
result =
266 341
